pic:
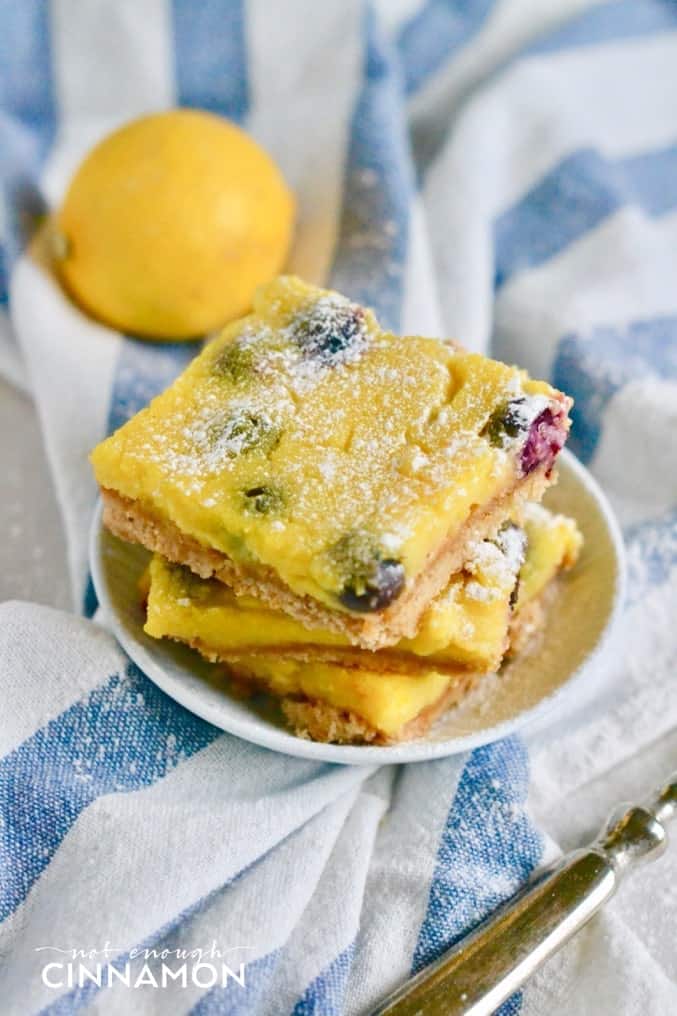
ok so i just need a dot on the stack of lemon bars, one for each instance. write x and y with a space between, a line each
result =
341 517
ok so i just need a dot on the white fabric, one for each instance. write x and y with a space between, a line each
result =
531 210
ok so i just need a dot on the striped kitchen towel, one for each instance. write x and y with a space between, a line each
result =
501 171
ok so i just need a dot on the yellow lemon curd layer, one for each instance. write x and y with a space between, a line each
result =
308 440
553 544
475 607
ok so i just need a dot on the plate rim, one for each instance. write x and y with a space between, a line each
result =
256 731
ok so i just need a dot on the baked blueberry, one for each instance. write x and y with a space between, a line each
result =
507 421
242 432
329 331
235 362
264 500
371 580
384 585
544 442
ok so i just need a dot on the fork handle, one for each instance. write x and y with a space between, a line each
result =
479 973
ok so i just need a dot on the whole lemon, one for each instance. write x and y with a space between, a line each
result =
171 223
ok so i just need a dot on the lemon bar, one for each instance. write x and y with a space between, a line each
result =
328 468
466 625
332 691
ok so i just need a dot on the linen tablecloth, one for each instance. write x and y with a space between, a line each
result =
499 171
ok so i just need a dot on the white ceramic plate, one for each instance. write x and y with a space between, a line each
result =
535 688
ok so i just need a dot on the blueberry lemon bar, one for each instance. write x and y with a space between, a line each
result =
466 624
328 468
332 691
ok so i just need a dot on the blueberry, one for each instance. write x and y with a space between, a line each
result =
384 585
544 435
329 329
544 442
505 422
196 589
263 500
243 432
371 581
235 361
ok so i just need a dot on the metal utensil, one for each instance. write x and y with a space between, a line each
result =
479 973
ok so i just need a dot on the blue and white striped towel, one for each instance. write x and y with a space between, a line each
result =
504 172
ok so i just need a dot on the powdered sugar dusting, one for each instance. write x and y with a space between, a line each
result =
477 591
511 541
356 431
527 408
495 564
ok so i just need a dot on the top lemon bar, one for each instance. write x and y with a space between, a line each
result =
330 468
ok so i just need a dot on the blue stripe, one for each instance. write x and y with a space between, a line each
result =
371 252
90 602
325 995
435 34
573 198
487 851
4 278
235 1001
593 367
144 369
608 22
26 90
611 22
211 56
27 119
512 1006
125 735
